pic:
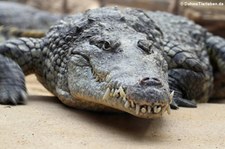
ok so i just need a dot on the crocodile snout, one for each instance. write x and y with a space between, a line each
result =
147 81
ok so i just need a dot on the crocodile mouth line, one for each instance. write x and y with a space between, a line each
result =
139 109
116 91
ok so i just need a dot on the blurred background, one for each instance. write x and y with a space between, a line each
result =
212 16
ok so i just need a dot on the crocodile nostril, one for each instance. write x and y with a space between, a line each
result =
150 81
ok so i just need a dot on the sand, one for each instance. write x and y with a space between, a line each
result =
46 123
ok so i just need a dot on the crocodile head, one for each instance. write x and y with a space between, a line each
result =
118 62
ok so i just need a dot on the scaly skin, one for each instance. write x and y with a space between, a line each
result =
127 60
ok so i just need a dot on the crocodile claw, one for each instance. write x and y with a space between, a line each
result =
181 102
13 97
12 82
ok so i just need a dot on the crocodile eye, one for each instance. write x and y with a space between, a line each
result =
105 44
146 45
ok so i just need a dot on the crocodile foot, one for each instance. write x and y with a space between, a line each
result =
12 82
12 95
181 102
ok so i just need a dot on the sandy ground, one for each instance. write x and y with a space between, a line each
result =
46 123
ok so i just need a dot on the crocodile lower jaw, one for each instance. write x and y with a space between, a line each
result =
118 100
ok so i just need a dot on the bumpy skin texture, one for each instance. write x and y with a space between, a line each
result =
127 60
25 17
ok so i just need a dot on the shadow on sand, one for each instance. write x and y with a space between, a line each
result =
121 123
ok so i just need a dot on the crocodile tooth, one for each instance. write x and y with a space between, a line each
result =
171 96
122 93
107 94
137 109
115 94
149 109
132 104
143 110
168 109
127 104
112 92
157 109
124 99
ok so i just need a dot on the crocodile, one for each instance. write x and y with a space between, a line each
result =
26 17
18 20
8 32
112 59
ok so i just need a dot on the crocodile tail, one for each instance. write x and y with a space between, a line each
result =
9 32
216 49
24 51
